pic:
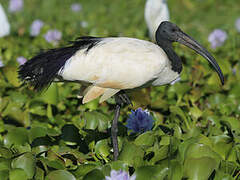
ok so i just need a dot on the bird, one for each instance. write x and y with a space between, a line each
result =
4 24
156 11
110 66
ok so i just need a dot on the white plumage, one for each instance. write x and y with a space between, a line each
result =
119 63
156 11
4 24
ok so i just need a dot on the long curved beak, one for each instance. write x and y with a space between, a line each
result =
188 41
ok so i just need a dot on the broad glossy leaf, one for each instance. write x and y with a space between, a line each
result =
95 119
60 175
4 174
51 95
10 73
39 175
197 150
17 136
175 170
17 174
36 132
131 154
94 175
119 165
199 168
222 144
102 148
5 152
145 139
83 169
27 162
156 172
4 164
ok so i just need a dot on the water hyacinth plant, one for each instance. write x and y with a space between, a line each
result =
53 36
119 175
139 121
36 27
21 60
76 7
217 38
15 5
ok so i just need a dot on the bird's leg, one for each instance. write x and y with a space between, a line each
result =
114 132
121 98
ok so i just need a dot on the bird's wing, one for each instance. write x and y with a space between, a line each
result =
116 63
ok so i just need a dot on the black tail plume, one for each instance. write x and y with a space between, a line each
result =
41 70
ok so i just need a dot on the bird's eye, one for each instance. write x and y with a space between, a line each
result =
173 30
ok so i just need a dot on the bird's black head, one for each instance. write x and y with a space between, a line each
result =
168 33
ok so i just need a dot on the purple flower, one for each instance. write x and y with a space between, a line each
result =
53 36
119 175
36 27
237 24
1 63
217 38
76 7
139 121
21 60
15 5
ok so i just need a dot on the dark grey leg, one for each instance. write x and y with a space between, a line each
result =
121 99
114 132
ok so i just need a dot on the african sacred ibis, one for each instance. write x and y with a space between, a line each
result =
4 24
108 65
156 11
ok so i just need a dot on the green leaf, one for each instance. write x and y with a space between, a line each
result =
83 169
4 174
60 175
51 95
17 136
200 161
4 152
17 174
36 132
39 174
151 172
222 144
26 162
102 148
145 139
176 170
95 119
94 175
4 164
131 154
10 73
199 168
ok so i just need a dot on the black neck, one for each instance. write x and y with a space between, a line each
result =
176 62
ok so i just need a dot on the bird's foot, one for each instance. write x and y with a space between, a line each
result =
122 99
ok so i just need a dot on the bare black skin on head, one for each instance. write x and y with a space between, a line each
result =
167 33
